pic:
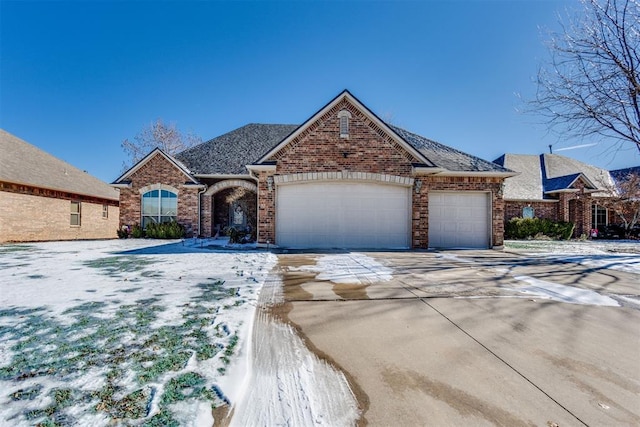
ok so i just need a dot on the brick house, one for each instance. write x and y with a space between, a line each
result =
558 188
44 198
342 179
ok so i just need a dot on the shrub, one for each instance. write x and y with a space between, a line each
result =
123 232
165 230
137 232
527 228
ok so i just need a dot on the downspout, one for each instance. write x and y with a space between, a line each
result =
200 193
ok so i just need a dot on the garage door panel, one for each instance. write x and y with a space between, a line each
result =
342 215
459 220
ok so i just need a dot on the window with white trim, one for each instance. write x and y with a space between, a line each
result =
599 217
105 211
159 206
344 117
75 214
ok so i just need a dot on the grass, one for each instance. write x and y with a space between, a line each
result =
123 346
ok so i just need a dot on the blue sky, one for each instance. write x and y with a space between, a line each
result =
78 77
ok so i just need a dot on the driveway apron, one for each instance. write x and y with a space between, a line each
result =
445 340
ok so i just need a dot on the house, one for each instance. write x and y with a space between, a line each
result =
558 188
342 179
44 198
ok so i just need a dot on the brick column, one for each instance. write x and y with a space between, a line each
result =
420 217
206 213
266 210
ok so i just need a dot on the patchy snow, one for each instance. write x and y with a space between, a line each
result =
350 268
86 313
562 293
288 384
618 255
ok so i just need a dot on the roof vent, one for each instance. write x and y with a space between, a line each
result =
344 117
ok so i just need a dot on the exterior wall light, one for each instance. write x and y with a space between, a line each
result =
418 186
270 183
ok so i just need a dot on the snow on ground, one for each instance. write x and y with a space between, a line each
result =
139 331
623 255
288 384
562 293
351 268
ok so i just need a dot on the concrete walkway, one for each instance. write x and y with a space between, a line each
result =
447 341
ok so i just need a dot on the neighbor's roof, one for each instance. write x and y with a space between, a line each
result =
446 157
546 173
527 185
229 154
23 163
621 174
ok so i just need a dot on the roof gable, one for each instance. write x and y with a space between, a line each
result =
23 163
123 179
345 100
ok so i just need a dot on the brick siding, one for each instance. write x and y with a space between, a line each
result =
158 170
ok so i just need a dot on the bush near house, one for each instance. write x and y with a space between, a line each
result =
528 228
165 230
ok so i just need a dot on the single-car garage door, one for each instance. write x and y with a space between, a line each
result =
459 220
343 215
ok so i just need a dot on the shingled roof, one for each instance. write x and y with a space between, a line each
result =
446 157
23 163
228 154
548 173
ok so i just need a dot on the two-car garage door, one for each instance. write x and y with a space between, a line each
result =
343 215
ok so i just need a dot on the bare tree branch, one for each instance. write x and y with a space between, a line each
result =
591 84
158 134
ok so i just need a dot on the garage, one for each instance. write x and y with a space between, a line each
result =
459 220
343 215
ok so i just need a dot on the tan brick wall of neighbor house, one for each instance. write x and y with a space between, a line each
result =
25 218
158 170
464 183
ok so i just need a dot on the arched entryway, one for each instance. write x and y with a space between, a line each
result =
230 203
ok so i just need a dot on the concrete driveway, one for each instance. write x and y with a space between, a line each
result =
450 338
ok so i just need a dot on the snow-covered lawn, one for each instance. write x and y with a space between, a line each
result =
623 255
131 332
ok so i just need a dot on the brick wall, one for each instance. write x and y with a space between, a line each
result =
158 170
26 218
548 210
319 148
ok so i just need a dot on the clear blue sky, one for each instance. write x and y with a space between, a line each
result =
78 77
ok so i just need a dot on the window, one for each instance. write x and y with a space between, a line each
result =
75 214
105 211
344 117
159 206
598 216
528 212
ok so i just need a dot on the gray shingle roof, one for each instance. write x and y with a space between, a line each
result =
527 185
23 163
447 157
229 153
543 173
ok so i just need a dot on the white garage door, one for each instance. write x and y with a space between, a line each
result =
459 220
342 215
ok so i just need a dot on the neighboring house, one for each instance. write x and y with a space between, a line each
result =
558 188
43 198
342 179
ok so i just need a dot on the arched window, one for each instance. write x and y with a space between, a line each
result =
344 117
159 206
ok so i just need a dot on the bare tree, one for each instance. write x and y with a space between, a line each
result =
591 84
623 200
158 134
